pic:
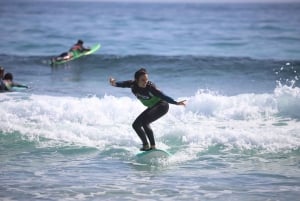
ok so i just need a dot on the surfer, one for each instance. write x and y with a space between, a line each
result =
74 50
155 101
7 83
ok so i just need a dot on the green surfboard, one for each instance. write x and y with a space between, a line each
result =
76 56
153 156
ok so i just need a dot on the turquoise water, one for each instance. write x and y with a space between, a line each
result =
69 136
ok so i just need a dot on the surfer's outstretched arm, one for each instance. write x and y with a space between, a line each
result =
164 97
123 84
153 89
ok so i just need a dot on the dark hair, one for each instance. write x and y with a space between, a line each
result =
80 42
8 76
139 73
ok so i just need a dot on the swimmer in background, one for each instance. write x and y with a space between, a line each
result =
6 83
74 50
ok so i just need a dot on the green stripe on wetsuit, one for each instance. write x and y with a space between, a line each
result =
150 102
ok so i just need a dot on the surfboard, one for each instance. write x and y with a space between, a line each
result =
91 51
152 156
14 89
18 88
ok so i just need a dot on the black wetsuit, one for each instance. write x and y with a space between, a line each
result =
157 104
2 86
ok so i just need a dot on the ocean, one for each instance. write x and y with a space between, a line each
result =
70 137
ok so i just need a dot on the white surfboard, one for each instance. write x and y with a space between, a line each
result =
152 156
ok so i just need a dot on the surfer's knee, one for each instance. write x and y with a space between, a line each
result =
136 125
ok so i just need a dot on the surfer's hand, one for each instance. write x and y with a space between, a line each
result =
181 103
112 81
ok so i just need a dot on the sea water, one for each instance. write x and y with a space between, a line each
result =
69 136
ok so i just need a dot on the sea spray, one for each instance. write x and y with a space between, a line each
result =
245 121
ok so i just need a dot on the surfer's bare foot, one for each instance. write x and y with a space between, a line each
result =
152 147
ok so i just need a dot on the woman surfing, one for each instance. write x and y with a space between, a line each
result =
155 101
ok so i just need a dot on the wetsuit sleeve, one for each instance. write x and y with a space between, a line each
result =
161 95
124 84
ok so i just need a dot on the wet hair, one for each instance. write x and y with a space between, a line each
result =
80 42
139 73
8 76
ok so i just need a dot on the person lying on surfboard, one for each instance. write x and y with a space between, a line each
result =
155 101
7 83
74 50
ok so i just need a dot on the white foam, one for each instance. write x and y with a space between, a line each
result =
288 100
240 107
266 122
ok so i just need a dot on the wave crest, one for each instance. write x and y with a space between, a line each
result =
245 121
